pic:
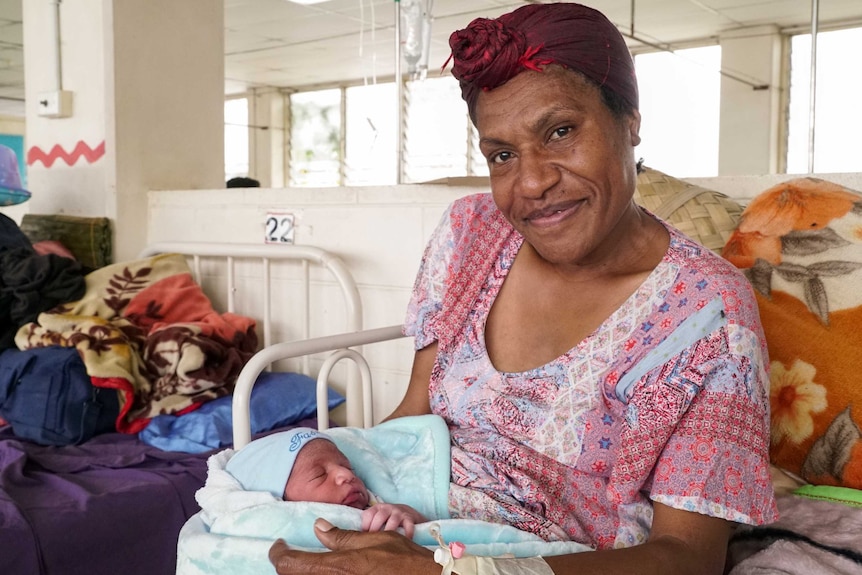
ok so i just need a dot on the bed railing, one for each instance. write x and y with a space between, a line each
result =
358 412
266 254
341 347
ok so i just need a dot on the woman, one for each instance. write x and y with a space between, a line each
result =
602 375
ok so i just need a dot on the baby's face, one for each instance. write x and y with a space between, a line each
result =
323 474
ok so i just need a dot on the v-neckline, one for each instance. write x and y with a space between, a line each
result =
646 289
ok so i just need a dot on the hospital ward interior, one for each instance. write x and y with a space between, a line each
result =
345 222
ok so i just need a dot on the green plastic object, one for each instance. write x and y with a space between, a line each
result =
843 495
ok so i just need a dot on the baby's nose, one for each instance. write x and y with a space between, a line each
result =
345 475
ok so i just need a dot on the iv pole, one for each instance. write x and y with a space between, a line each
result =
399 97
812 83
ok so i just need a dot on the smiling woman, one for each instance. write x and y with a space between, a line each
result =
533 138
589 360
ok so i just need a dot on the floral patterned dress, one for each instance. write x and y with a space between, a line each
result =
664 402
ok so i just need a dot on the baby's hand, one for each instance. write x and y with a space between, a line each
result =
391 516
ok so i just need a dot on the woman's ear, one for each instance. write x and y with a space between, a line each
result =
635 127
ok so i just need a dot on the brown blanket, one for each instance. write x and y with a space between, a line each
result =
146 329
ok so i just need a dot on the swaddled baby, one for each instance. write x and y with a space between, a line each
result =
303 464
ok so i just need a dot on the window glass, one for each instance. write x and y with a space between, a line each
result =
315 138
436 134
235 137
370 148
680 106
836 147
438 138
477 164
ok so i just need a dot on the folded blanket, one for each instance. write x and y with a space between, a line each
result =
146 329
404 460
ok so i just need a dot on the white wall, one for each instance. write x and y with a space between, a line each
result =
750 119
147 96
165 105
79 189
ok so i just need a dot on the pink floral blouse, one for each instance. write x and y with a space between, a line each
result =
665 401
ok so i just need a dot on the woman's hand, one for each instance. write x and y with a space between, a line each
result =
354 553
391 516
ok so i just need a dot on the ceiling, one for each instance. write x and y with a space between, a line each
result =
279 43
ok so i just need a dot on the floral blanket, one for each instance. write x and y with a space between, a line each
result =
800 245
146 329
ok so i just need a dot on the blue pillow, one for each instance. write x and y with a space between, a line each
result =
277 400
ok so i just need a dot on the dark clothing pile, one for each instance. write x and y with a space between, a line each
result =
31 283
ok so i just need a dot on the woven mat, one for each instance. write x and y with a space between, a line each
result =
89 239
706 216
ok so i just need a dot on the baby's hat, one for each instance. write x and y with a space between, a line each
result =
266 463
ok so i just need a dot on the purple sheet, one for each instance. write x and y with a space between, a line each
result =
111 506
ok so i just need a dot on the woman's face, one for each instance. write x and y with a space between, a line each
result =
322 473
562 165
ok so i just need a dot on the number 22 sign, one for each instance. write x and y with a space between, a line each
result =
279 228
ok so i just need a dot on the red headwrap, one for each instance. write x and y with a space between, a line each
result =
489 52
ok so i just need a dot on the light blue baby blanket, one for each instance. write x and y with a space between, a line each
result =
405 460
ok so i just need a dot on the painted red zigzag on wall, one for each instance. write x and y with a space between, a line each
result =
92 155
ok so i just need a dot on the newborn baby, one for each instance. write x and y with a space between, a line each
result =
303 464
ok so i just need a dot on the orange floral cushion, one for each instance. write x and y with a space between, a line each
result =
800 244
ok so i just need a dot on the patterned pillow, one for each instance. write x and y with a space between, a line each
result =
800 244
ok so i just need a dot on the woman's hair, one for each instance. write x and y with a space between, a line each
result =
490 52
618 106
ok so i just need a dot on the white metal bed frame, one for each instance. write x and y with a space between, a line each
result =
340 346
267 253
271 352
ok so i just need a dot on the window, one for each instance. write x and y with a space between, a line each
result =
370 156
477 165
436 134
680 107
235 137
315 138
439 141
836 147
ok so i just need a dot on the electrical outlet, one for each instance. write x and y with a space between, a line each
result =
56 104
